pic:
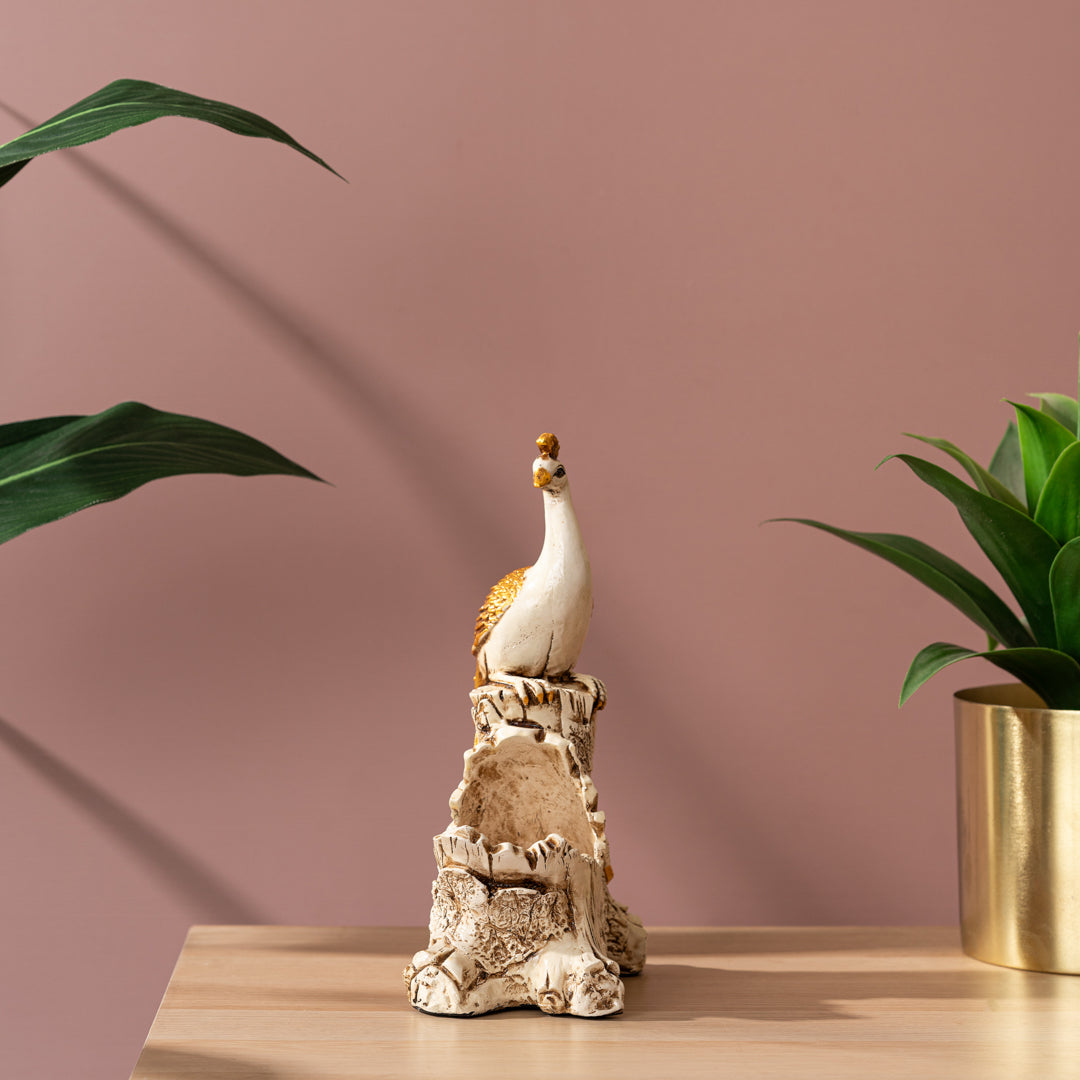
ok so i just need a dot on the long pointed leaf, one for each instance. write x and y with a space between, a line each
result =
1058 511
985 481
1006 464
92 459
22 430
127 103
1042 441
947 578
1054 676
1021 550
1065 594
9 171
1060 408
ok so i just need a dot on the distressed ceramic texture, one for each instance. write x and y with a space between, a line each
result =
521 911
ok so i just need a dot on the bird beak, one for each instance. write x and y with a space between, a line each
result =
541 477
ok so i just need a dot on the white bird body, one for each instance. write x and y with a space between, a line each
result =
533 623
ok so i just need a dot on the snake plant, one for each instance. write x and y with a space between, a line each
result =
54 466
1023 510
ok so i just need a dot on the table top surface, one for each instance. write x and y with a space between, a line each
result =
325 1003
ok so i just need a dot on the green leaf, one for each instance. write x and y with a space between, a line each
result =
1065 594
985 481
1061 408
8 171
938 572
75 462
127 103
22 430
1042 442
1058 511
1021 550
1007 465
1053 675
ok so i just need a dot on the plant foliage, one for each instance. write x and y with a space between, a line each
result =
1024 512
53 467
126 103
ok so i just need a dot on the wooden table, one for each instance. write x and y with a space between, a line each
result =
311 1003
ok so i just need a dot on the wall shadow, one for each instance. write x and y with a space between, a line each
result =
180 870
416 440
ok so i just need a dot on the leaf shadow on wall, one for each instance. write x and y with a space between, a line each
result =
417 441
210 896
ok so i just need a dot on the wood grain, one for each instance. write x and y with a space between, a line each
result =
317 1003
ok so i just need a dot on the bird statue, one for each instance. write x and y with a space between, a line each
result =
533 623
521 912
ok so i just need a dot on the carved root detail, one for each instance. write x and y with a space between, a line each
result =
521 913
624 937
553 980
595 992
496 927
495 946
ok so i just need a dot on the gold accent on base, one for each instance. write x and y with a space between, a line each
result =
1018 812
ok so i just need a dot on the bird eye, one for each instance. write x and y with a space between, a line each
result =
560 471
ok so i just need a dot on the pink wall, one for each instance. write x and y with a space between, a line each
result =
726 251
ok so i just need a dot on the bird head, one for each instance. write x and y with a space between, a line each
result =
548 472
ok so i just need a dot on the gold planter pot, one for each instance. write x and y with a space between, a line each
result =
1018 813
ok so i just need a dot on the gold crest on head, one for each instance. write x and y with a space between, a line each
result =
549 445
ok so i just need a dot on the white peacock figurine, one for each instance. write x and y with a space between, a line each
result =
533 623
521 912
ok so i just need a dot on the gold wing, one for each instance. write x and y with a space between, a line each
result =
498 600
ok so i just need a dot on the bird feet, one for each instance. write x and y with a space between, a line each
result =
540 691
529 691
594 687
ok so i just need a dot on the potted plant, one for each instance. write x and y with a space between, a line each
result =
1018 744
55 466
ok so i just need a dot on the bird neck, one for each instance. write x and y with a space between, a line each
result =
562 534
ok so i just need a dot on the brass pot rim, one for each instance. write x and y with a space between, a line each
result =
1010 696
